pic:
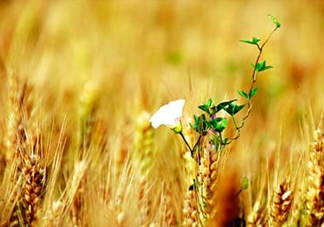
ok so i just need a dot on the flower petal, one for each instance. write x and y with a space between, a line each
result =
168 114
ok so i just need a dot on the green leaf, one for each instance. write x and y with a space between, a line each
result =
245 183
233 109
219 124
275 21
223 105
204 108
207 125
243 94
266 67
195 125
246 41
200 124
261 66
253 92
209 102
254 41
223 123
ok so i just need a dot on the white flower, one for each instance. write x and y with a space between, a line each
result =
169 115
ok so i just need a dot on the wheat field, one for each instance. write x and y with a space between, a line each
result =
80 81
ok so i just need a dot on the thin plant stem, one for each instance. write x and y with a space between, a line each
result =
254 79
196 144
192 150
186 142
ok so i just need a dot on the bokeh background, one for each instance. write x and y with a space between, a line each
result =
135 56
122 58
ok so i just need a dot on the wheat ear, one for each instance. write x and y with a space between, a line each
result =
281 204
256 217
190 209
15 129
315 179
33 190
144 160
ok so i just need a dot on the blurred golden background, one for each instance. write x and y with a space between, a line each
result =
143 54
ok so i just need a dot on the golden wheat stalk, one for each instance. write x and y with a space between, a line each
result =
208 176
318 144
25 147
170 217
190 209
210 167
78 207
315 179
54 216
143 145
87 121
74 201
144 157
256 217
15 129
9 209
281 204
53 207
88 100
33 189
33 174
28 202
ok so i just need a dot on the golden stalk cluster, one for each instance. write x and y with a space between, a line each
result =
208 196
77 149
203 197
315 180
23 153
